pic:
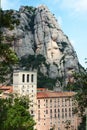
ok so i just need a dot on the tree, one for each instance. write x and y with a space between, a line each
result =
5 104
15 114
8 57
80 87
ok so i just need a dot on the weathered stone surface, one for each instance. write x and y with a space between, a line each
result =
40 33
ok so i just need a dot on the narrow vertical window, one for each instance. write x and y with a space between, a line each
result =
46 111
39 115
69 112
27 77
23 78
58 110
32 78
46 103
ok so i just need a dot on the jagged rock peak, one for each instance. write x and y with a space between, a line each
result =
40 33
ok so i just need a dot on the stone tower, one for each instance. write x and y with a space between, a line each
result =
25 84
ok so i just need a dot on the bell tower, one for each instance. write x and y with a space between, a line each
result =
25 84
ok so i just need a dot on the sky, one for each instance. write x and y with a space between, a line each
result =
71 15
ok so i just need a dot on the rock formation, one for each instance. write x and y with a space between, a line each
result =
40 33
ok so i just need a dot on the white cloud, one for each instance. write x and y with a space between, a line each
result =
79 6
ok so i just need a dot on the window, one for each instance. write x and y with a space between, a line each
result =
69 112
55 115
27 77
50 102
69 109
62 110
65 112
65 102
23 78
58 113
46 111
31 111
46 103
59 110
62 113
50 110
38 106
65 109
54 110
32 78
38 115
31 105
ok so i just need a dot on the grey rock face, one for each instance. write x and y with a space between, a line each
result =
40 33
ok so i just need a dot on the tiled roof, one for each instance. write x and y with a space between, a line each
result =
48 94
6 89
42 93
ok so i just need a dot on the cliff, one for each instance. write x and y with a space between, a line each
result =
38 33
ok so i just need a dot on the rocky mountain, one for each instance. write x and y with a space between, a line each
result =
38 33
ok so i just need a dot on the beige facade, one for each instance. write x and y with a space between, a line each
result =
50 109
55 111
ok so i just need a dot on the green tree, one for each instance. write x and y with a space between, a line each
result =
15 114
8 57
4 106
80 87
